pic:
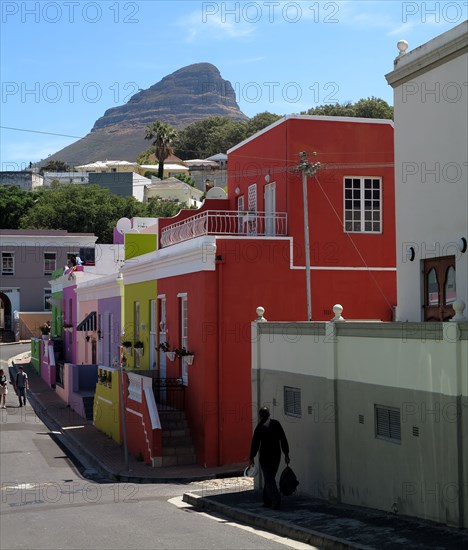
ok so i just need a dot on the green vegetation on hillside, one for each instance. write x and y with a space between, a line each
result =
372 107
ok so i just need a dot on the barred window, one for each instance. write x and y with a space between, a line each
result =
252 197
362 205
8 263
387 423
292 401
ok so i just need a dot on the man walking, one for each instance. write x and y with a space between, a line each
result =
22 384
270 438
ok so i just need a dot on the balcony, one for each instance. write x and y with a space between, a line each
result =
221 222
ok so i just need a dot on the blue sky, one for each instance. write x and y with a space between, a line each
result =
63 63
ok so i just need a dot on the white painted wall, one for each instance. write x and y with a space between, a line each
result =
431 167
342 371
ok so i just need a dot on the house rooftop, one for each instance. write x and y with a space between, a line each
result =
335 119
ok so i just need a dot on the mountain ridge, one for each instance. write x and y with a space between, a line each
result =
187 95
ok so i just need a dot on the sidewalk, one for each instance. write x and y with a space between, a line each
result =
223 491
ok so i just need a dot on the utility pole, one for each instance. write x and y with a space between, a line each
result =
308 169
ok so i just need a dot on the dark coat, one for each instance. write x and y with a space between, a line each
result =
270 438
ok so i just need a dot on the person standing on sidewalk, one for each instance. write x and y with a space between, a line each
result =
22 384
270 439
3 389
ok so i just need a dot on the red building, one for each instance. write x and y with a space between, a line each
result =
217 264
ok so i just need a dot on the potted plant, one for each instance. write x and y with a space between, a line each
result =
45 330
189 356
127 346
139 347
164 346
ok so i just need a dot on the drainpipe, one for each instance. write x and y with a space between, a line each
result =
219 355
120 282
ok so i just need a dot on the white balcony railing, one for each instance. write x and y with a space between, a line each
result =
220 222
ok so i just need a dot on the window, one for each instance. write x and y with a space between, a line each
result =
292 401
387 423
440 289
47 297
8 263
50 262
363 205
450 288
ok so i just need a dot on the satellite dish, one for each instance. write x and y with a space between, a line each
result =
216 193
123 226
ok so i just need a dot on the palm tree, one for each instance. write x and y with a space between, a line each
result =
162 136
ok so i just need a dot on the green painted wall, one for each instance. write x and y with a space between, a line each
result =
137 244
141 293
106 412
36 353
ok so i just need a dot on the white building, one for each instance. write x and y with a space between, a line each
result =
376 413
431 175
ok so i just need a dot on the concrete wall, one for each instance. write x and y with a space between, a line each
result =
25 180
343 371
119 183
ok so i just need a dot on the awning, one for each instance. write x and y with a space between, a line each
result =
88 323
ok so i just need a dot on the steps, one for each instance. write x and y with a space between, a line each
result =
88 404
177 447
6 336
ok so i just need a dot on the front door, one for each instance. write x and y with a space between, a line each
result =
5 312
439 288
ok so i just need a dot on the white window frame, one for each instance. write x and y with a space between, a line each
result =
48 271
184 332
8 258
355 191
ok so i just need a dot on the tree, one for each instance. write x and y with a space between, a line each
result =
260 121
372 107
209 136
162 136
145 157
163 208
80 209
14 203
186 179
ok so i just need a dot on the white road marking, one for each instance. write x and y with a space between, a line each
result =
177 501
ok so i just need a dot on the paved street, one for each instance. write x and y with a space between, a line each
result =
64 485
46 503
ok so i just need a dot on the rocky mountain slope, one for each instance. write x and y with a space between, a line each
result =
185 96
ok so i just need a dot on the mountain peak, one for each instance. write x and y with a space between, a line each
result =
187 95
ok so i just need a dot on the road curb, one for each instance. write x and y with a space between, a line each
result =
282 528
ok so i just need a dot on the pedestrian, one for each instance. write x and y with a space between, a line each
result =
270 439
3 389
22 384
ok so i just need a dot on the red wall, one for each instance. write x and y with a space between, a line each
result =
252 272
